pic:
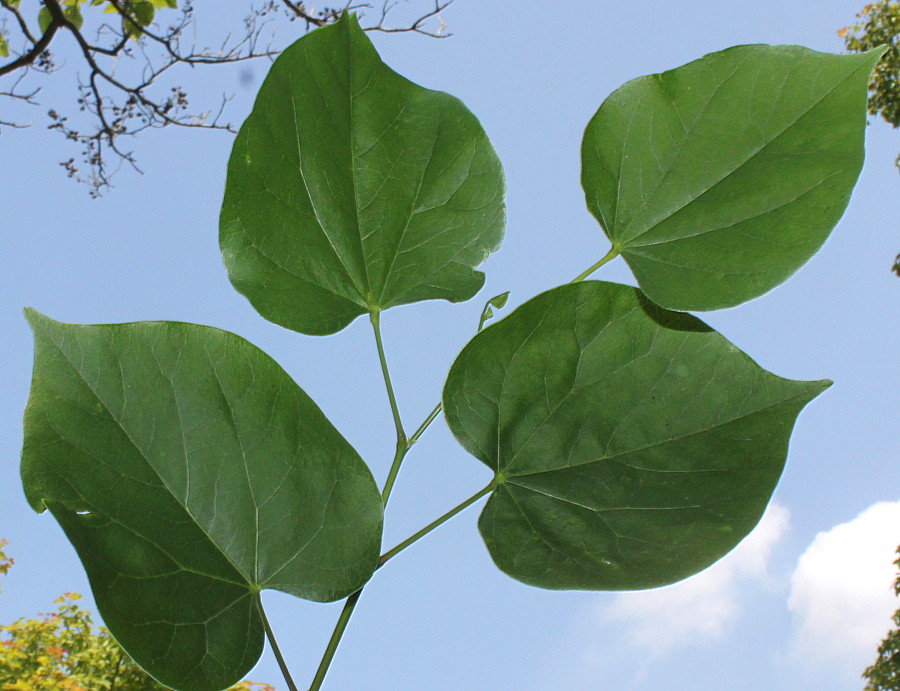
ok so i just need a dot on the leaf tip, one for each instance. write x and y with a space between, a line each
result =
877 52
33 317
40 322
350 18
499 301
815 388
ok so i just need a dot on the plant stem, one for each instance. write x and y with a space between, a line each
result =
608 257
424 426
399 455
375 318
275 649
401 448
437 409
434 524
351 601
339 628
402 444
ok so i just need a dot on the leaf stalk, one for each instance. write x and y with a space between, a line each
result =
285 672
350 603
434 524
402 443
335 639
424 426
403 446
608 257
375 318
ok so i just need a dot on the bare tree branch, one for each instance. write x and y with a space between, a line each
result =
418 25
122 93
20 19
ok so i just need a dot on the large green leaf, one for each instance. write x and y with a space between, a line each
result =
632 446
717 180
190 472
350 189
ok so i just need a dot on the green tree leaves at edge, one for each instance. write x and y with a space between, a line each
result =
884 675
62 651
879 25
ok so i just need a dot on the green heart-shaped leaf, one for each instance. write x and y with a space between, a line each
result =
190 472
717 180
351 190
632 446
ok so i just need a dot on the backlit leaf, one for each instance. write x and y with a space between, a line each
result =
144 11
44 19
632 446
190 472
73 14
717 180
351 190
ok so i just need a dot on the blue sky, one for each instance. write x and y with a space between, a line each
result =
801 604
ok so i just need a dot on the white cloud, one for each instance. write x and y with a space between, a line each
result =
841 597
700 608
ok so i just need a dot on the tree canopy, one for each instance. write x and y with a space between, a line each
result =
884 674
63 651
879 25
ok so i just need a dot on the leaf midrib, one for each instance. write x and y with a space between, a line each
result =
731 172
613 458
144 456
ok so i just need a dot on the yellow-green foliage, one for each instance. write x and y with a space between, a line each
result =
62 651
884 675
879 25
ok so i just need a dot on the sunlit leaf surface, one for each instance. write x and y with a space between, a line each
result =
350 189
719 179
190 472
632 446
